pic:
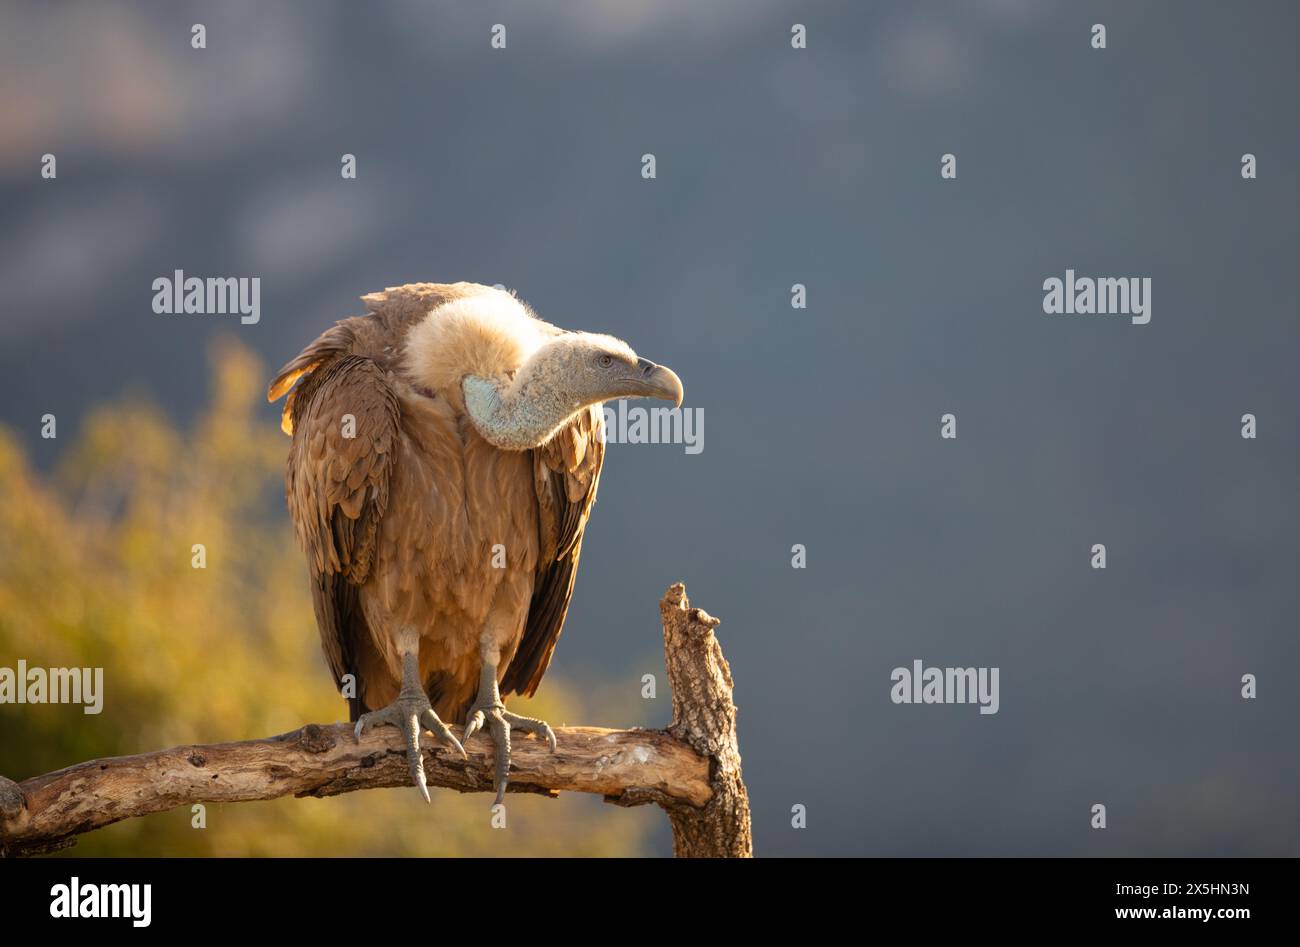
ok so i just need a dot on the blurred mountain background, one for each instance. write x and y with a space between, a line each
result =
775 166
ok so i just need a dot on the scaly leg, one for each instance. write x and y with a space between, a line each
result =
412 714
487 708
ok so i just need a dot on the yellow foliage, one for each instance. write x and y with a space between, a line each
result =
96 571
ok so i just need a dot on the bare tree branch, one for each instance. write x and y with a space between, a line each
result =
692 769
704 716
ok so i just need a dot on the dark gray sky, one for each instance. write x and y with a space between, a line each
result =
778 166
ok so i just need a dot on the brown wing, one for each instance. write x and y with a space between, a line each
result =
336 486
566 473
333 342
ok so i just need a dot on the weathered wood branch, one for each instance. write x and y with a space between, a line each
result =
704 716
45 812
691 769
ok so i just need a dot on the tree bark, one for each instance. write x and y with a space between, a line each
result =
691 769
704 716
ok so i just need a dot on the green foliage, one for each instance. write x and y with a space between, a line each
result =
95 571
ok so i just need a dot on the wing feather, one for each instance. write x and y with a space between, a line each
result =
566 475
337 488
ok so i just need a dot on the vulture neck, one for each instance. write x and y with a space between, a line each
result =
525 415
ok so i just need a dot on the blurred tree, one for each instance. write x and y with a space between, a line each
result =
95 571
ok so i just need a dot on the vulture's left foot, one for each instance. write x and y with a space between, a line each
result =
488 711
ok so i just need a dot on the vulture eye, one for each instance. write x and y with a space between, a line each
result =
606 361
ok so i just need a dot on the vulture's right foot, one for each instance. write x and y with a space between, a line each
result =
412 714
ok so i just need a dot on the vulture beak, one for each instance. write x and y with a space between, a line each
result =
657 381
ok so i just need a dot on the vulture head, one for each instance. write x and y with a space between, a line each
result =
521 379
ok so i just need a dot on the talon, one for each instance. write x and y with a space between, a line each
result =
531 725
472 726
501 737
435 726
414 758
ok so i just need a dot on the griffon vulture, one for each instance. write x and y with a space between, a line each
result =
446 452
